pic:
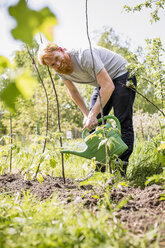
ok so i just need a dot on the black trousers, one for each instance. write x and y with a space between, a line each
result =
122 101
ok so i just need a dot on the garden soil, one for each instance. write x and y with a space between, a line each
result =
141 212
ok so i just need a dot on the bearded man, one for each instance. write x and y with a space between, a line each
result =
76 66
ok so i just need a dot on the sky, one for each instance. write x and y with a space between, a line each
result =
71 29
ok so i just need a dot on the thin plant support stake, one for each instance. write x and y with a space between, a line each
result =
59 125
47 104
11 143
58 115
97 85
90 45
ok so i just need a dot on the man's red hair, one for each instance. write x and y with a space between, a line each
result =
45 52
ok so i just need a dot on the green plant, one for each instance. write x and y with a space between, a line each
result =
147 160
158 179
30 223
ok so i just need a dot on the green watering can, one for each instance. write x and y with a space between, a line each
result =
94 147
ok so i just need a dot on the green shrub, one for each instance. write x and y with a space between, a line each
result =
148 159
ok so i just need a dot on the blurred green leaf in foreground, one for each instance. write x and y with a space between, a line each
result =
4 63
21 84
30 22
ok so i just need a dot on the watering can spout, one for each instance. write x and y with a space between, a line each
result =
83 154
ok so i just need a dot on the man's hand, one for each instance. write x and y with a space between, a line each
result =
90 123
85 119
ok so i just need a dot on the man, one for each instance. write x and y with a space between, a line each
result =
76 66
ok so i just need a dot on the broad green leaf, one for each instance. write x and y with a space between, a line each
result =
40 178
47 27
53 163
4 63
20 85
9 95
25 84
162 197
96 196
102 143
29 22
41 159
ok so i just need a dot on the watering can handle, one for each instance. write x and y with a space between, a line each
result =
100 120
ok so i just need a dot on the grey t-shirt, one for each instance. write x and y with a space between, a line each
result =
83 65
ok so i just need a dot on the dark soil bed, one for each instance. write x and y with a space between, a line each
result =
142 211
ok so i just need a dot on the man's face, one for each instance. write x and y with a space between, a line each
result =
60 62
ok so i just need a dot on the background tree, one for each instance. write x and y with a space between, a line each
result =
147 64
155 7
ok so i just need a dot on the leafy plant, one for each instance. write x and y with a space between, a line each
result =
158 179
147 161
30 223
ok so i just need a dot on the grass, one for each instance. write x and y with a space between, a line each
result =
26 222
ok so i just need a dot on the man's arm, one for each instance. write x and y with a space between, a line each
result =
76 97
106 90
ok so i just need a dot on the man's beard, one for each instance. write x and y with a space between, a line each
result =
65 67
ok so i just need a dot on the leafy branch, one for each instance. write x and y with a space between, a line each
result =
156 5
